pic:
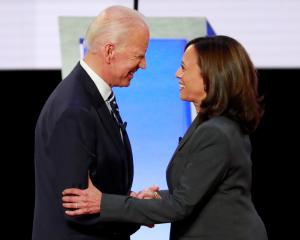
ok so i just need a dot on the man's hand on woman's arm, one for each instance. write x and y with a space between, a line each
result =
79 202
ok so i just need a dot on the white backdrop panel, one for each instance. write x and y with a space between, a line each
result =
270 29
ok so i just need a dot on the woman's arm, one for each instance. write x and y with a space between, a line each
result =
205 168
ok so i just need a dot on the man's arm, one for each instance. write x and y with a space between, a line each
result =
70 147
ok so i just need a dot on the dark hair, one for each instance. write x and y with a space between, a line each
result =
230 81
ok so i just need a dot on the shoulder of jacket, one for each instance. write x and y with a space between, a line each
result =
221 124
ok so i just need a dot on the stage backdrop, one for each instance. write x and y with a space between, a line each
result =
151 106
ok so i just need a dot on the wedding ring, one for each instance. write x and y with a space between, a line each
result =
156 195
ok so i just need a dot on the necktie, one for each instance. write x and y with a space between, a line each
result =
115 111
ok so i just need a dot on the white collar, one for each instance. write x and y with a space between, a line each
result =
102 86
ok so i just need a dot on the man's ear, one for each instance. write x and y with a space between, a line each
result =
109 51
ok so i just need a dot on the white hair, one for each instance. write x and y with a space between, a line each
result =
113 24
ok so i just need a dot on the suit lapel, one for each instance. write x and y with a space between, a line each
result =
188 134
186 137
101 108
110 125
129 158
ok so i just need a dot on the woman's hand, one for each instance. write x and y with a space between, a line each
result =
79 202
149 193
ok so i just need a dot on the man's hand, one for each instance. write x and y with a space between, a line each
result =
80 202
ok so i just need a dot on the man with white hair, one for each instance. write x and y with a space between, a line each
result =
80 132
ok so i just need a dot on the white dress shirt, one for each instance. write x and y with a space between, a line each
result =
102 86
104 89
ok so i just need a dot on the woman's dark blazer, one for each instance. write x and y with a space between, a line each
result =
209 181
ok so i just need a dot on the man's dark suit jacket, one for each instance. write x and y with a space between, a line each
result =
76 134
209 181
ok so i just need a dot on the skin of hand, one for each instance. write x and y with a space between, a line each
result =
88 201
80 202
149 193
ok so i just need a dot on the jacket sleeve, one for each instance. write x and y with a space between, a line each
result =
163 193
205 169
71 149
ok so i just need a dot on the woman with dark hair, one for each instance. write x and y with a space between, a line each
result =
209 176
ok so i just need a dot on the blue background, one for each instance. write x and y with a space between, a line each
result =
156 118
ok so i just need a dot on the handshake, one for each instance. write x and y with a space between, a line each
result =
87 201
147 193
